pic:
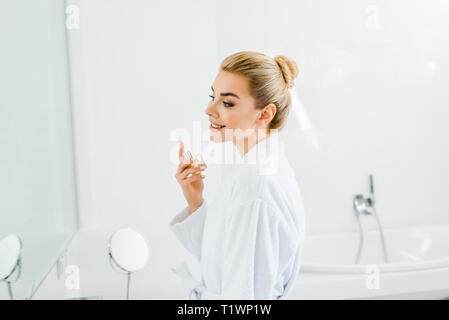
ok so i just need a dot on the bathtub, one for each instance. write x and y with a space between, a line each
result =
417 266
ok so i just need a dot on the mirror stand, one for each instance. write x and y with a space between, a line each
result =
128 253
116 267
16 274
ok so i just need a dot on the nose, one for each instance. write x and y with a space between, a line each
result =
211 111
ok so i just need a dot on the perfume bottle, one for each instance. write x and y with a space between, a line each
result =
197 161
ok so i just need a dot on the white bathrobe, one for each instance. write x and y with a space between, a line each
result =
249 238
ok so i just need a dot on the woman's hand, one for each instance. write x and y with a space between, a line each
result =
192 186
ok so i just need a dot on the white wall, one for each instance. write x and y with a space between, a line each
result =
372 83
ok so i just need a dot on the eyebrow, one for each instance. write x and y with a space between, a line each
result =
224 94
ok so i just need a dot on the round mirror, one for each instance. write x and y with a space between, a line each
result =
10 249
128 249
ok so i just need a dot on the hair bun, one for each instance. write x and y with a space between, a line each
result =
289 69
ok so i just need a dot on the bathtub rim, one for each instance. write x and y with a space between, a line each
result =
403 266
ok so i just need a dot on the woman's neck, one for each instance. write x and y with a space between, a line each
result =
245 144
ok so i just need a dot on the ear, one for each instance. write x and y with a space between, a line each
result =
267 114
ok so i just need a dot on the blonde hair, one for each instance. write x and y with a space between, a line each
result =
269 80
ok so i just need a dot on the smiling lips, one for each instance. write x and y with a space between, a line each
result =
215 126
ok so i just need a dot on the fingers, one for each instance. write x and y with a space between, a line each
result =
183 165
182 159
194 177
183 175
181 150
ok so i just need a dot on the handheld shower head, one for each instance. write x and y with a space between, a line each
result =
362 204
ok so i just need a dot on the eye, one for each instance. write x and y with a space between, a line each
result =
226 104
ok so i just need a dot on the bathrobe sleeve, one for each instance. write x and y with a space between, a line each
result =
257 246
188 228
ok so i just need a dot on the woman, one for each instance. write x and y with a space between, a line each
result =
249 238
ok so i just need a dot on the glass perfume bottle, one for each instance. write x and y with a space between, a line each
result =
197 161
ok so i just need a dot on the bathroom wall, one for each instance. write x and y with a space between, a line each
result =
371 99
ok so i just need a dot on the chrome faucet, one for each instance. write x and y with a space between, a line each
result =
366 206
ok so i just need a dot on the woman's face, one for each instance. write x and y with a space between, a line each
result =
233 107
